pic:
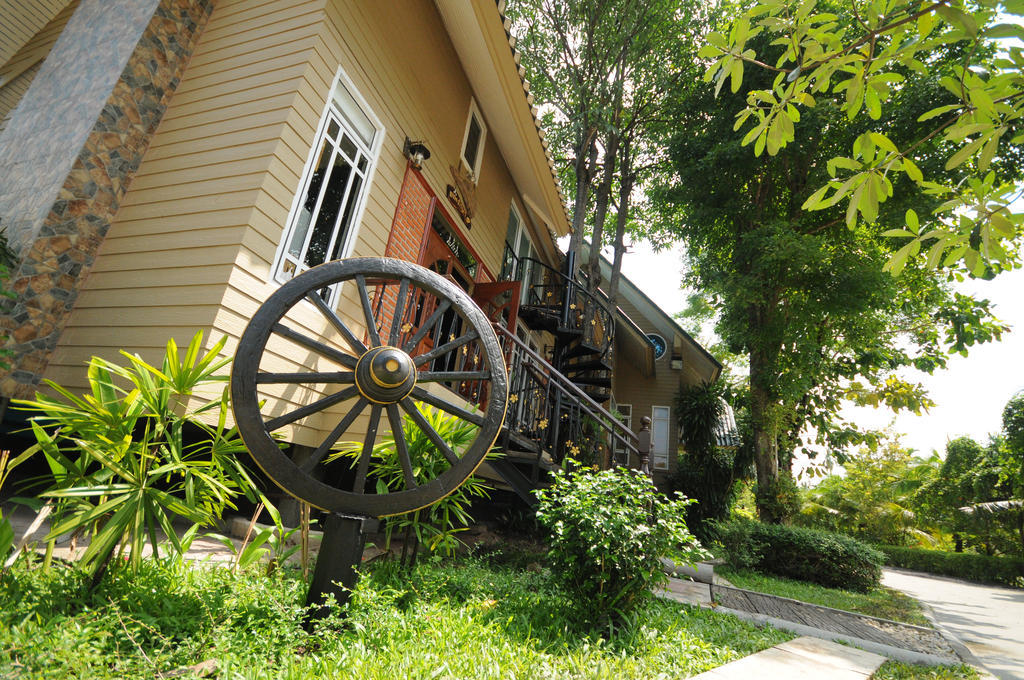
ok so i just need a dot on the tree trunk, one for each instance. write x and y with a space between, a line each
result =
586 157
626 179
604 190
766 454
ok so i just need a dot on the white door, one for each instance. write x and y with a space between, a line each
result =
659 437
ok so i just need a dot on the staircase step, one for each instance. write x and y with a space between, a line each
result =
589 365
592 380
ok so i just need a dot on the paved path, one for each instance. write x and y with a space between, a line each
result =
989 620
804 658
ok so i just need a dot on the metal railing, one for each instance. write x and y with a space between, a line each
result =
577 310
548 413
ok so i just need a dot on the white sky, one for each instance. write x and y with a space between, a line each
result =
969 394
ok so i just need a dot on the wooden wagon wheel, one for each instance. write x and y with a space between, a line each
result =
383 372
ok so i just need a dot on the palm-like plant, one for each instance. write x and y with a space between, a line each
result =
121 465
435 526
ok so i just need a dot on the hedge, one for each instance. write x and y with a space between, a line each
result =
829 559
1007 571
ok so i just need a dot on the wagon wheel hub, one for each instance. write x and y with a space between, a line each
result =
385 375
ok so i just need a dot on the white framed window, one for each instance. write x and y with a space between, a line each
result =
659 437
625 415
473 140
519 251
328 207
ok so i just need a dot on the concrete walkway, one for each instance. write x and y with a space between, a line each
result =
989 620
804 658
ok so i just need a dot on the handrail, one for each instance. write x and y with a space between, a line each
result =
577 401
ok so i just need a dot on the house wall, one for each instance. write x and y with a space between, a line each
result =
194 242
22 20
17 72
631 387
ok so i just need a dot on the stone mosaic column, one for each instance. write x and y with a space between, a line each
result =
69 152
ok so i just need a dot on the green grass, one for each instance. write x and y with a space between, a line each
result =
894 670
469 620
885 603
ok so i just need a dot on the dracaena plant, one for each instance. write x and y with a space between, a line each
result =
138 450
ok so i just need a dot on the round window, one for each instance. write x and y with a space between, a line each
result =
659 344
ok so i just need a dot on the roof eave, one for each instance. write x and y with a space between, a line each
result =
479 33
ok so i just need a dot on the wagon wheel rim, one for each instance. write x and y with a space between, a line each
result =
383 374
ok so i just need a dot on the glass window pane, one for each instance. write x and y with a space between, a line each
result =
333 129
513 229
330 208
359 121
346 217
348 146
309 203
472 142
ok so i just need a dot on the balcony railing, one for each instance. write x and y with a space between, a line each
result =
565 301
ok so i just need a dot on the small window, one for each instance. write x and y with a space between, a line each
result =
324 219
473 140
659 344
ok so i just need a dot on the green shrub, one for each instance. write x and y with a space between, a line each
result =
121 464
608 532
829 559
985 568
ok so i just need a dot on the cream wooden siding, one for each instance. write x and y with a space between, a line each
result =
211 173
631 387
20 20
20 67
194 242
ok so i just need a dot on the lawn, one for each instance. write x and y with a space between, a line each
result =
473 619
894 670
884 603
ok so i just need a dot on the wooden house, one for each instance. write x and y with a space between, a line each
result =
165 165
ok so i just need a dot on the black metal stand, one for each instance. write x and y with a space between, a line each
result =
341 551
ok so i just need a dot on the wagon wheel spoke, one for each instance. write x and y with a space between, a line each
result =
340 357
452 376
401 446
437 402
340 377
445 348
364 458
427 326
339 325
396 322
309 409
426 428
364 299
321 451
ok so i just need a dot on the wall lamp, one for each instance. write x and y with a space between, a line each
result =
416 152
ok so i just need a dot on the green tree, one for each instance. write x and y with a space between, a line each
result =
876 497
797 292
601 71
809 55
1013 433
705 472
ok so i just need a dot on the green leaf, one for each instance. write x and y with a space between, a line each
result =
913 172
963 154
913 224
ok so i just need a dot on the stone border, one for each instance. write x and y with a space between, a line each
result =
858 627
